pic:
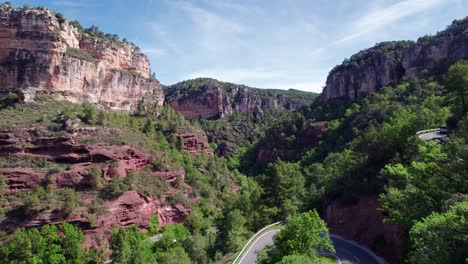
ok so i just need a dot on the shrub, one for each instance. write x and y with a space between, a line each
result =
78 53
60 18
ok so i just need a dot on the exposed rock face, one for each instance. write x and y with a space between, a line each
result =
37 53
212 102
194 145
112 159
21 179
362 222
387 63
130 208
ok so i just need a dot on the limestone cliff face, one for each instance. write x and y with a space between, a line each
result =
37 53
211 101
386 63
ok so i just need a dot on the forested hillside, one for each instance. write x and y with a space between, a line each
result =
189 172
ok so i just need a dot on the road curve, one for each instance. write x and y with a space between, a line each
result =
432 136
348 252
264 240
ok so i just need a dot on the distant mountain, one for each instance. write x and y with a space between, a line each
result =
210 99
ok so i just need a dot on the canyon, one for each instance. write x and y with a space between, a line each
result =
187 159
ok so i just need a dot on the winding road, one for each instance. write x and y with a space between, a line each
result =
347 252
431 134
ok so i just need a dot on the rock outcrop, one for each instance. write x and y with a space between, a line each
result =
75 161
39 52
363 222
388 62
194 145
130 208
211 99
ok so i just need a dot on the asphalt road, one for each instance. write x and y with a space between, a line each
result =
432 136
250 257
351 253
348 252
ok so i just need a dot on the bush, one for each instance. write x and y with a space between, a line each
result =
60 18
78 53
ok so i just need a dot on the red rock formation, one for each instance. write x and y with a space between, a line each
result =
362 222
20 179
194 145
112 159
207 104
38 143
171 176
212 102
37 53
387 63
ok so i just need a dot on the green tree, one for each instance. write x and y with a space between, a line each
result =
441 237
304 234
296 259
71 239
287 186
96 179
234 232
89 114
47 245
456 83
175 255
131 247
423 186
173 235
154 222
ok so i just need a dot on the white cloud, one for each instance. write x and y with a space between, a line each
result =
382 17
235 75
309 86
261 78
209 21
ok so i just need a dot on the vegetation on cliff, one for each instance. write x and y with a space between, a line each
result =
191 87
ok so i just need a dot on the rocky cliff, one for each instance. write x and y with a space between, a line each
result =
211 99
388 62
39 52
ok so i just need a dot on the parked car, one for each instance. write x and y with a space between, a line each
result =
443 130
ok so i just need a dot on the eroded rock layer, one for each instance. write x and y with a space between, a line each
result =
77 161
213 102
38 53
388 62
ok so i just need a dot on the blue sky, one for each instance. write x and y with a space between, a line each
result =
261 43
